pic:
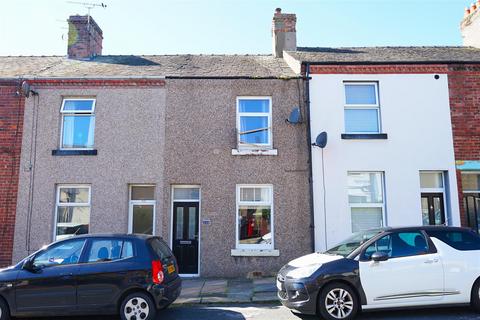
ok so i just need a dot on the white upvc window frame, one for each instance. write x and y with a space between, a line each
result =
259 146
132 203
70 204
375 106
76 113
254 203
369 205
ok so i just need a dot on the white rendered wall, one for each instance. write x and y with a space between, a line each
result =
415 114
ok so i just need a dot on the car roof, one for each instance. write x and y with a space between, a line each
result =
113 235
426 228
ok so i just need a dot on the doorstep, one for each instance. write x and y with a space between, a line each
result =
217 291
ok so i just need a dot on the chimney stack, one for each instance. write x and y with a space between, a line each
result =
84 37
284 33
470 26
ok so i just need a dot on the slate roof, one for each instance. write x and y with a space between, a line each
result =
360 55
144 66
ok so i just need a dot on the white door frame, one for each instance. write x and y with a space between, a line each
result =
199 200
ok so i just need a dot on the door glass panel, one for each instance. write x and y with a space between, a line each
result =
437 210
143 219
192 222
186 194
179 229
470 182
425 217
431 180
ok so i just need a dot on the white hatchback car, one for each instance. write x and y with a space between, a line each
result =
385 268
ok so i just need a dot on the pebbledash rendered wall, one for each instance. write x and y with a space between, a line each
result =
129 137
11 127
201 133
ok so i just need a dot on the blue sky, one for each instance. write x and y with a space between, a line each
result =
35 27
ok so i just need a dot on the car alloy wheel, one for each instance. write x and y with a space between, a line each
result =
339 303
136 309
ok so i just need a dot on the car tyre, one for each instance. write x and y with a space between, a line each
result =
137 306
475 299
338 301
4 310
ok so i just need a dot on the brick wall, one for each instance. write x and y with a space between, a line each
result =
11 125
464 85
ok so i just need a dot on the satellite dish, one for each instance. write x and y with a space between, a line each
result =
295 116
321 140
26 89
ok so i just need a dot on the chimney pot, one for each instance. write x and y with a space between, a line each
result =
84 37
278 10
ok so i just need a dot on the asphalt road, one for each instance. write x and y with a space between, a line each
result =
275 312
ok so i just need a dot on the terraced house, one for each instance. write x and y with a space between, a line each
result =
192 148
197 149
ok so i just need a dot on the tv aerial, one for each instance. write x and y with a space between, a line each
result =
89 5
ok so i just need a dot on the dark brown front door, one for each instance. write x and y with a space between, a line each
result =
472 207
433 209
185 236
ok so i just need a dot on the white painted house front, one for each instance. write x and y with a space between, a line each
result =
389 160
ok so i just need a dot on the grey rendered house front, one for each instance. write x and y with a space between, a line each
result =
193 148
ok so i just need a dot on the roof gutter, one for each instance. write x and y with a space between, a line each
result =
356 63
233 77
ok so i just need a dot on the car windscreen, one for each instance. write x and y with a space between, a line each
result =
349 245
160 248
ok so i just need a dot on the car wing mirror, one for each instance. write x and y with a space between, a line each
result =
379 256
29 266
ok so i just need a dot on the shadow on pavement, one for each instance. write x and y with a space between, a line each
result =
438 313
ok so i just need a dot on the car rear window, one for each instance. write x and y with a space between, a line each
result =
160 249
460 240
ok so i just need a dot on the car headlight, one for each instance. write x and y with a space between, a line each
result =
303 272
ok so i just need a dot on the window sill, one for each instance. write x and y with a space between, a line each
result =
364 136
252 152
255 253
60 152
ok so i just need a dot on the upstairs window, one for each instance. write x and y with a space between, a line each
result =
362 108
78 123
254 122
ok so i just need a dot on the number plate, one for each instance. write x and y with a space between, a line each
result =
279 285
171 269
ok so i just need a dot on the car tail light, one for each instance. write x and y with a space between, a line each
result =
157 272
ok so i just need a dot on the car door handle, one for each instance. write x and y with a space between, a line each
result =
66 275
430 261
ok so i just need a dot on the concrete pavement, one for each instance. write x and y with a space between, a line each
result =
208 291
270 311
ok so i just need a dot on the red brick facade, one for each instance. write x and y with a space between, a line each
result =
11 128
464 85
464 90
